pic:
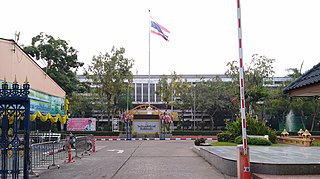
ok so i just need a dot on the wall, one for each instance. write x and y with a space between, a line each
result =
15 63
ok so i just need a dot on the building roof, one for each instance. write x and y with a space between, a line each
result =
308 79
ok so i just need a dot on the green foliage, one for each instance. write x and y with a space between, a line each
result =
253 141
315 143
111 74
254 127
223 144
234 127
81 106
225 137
273 136
179 125
62 60
260 67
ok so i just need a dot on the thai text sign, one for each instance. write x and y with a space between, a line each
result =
81 124
146 127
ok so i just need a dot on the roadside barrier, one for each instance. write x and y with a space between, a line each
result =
83 145
49 154
46 154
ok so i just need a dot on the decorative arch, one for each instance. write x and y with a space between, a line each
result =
144 107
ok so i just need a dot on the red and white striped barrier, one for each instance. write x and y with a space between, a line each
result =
139 139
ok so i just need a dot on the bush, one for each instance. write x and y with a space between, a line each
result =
273 136
225 137
254 127
253 141
197 142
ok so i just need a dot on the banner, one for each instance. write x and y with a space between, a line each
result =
81 124
146 127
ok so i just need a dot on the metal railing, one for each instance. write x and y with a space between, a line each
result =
83 145
52 153
47 154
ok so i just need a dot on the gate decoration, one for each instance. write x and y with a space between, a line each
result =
14 111
147 120
166 119
128 120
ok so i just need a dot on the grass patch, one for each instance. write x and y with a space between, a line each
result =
315 143
223 144
277 145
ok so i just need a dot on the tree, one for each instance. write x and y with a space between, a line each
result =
167 89
218 100
61 59
81 106
260 67
184 98
111 76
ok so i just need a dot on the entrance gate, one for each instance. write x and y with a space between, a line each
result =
14 111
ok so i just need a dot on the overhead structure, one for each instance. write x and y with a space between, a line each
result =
47 98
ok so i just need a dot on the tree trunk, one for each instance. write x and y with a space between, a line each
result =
212 123
182 124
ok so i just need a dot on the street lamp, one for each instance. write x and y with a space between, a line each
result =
194 108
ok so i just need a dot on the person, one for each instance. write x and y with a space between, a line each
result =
89 126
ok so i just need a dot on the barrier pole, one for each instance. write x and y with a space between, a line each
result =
245 169
94 145
69 153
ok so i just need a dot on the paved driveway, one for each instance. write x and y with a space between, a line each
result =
138 159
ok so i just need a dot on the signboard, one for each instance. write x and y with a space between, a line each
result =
81 124
115 125
45 103
146 126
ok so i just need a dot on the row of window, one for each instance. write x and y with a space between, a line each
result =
140 93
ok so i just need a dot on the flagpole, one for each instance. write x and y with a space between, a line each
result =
149 62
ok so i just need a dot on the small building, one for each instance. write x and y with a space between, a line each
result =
307 84
47 98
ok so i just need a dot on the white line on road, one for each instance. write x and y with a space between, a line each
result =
116 150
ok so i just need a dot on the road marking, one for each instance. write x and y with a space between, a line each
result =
116 150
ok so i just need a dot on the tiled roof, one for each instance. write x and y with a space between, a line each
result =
311 77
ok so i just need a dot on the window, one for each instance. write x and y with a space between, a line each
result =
138 92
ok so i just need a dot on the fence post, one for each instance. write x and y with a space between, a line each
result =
69 153
53 162
94 145
31 172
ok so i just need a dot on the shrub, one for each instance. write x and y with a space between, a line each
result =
273 136
259 141
197 142
225 137
253 141
254 127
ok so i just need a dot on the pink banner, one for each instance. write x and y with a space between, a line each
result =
81 124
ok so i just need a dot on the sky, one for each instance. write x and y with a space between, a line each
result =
203 33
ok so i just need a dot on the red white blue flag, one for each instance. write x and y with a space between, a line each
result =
159 30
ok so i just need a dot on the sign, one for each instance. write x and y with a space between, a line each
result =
146 127
115 125
81 124
45 103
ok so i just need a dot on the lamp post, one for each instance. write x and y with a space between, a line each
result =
194 107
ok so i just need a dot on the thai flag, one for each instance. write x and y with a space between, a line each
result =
159 30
